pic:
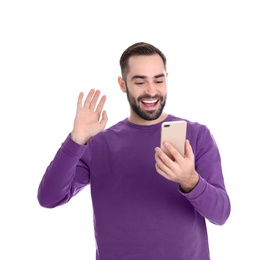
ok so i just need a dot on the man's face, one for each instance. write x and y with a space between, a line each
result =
146 86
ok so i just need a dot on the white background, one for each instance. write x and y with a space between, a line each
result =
52 50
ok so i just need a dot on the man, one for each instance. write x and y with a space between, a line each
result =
146 205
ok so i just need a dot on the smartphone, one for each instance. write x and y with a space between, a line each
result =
175 133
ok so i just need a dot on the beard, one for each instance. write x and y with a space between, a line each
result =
145 114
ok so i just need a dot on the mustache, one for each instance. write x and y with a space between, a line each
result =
149 97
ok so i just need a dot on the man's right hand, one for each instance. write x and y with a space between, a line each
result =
90 118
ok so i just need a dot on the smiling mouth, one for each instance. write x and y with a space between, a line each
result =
150 103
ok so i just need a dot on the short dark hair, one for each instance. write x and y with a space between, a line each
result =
139 48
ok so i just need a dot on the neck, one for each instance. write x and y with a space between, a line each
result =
135 119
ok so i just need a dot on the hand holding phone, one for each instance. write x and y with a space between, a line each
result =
175 133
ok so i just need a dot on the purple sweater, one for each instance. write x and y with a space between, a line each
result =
138 214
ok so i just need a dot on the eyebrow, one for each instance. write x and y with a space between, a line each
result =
144 77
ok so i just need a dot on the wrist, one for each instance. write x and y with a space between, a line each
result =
191 183
79 139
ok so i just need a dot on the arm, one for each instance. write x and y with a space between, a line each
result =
200 176
67 174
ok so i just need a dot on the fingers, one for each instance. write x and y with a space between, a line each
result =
188 150
162 172
176 155
91 100
87 101
178 170
162 161
80 98
101 103
165 166
161 157
104 119
174 152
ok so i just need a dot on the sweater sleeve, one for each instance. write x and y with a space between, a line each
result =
209 197
65 176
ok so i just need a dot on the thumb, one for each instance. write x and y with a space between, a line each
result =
188 150
104 119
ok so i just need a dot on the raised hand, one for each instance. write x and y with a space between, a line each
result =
90 118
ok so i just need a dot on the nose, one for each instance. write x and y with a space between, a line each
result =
151 89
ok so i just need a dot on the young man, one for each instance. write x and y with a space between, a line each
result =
146 205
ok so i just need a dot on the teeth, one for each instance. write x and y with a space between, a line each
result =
150 101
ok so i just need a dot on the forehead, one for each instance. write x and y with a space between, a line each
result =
145 65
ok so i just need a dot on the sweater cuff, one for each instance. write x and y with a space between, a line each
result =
197 191
73 147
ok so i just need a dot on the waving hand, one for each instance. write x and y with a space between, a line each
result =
90 118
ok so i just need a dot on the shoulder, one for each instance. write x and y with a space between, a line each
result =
197 133
192 126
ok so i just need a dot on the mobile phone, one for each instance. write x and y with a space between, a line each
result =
175 133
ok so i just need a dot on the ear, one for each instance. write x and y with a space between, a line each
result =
122 84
